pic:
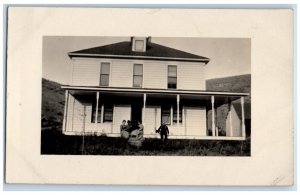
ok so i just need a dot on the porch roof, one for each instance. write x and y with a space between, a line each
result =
155 91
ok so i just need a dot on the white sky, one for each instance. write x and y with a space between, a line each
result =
228 56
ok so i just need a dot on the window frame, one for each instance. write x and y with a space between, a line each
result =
136 75
166 108
135 42
169 66
106 106
102 74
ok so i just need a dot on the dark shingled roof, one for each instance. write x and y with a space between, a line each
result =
153 51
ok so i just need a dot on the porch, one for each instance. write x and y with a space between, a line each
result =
189 114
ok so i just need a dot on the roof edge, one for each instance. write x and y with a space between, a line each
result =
74 54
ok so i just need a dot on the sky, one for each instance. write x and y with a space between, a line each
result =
228 56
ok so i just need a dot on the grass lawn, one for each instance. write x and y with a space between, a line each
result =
53 142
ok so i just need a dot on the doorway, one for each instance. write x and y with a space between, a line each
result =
136 112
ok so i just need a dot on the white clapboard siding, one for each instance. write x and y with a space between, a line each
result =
121 74
155 75
195 121
190 76
121 112
70 108
86 72
176 130
235 122
152 119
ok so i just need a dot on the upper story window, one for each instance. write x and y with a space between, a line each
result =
172 77
104 75
137 75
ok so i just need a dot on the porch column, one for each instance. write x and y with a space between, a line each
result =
171 116
230 118
144 108
102 112
97 104
178 100
66 110
243 118
213 126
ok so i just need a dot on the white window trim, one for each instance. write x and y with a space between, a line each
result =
109 79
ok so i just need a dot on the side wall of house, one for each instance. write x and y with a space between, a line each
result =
234 121
86 72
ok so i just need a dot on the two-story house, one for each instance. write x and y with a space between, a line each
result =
141 80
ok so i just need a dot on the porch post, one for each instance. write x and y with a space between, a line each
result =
230 118
97 104
178 100
171 115
102 112
66 110
144 108
213 126
243 118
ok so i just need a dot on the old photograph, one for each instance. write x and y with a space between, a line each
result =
149 95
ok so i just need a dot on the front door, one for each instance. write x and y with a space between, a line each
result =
136 112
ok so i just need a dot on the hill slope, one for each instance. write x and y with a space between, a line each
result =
52 104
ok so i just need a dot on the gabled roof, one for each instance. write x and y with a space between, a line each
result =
123 50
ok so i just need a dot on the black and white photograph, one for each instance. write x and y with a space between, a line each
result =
136 95
148 96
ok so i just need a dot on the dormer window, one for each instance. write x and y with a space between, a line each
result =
138 44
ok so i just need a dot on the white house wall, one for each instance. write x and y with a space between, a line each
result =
86 72
195 123
121 74
190 76
152 119
155 75
235 123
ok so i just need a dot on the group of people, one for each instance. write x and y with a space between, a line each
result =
135 130
130 129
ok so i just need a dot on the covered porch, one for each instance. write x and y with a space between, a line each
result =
189 114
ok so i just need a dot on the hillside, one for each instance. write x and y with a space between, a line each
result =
52 105
241 83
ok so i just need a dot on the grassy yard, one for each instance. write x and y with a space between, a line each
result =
53 142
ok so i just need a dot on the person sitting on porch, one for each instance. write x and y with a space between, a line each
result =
129 126
136 136
123 128
164 131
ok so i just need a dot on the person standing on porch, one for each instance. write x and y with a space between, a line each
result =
164 131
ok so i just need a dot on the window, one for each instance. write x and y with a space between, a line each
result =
108 113
137 75
166 115
175 114
94 105
104 75
139 45
172 77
